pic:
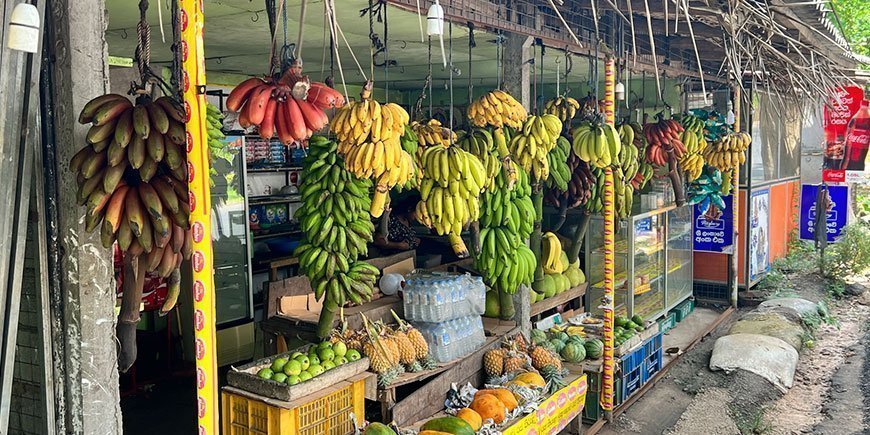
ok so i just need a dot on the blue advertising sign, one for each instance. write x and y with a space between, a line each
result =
835 216
713 233
644 225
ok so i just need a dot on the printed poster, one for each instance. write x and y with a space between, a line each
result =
714 230
759 234
835 215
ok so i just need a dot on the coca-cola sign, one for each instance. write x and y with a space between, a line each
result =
841 107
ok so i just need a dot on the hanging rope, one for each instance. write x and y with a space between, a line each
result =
143 46
471 44
450 66
299 34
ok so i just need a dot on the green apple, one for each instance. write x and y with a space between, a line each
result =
339 348
265 373
295 355
314 359
315 369
340 360
326 354
304 376
328 365
324 345
293 379
278 364
304 361
279 377
353 355
293 367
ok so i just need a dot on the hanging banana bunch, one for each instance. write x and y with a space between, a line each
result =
450 189
729 151
336 229
497 109
563 108
506 221
480 143
692 162
630 132
560 172
369 135
411 146
581 186
597 143
530 146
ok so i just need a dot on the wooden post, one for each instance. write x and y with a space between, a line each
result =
609 231
193 87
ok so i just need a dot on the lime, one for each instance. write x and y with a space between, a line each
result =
339 348
279 377
353 355
315 369
294 379
295 355
293 367
340 360
314 360
278 364
304 376
265 373
328 365
326 354
303 361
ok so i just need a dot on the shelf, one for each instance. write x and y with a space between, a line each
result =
273 170
273 199
559 299
281 233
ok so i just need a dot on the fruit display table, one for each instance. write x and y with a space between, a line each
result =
559 299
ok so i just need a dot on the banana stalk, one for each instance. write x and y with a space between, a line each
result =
676 179
579 235
506 305
134 282
563 216
535 239
327 317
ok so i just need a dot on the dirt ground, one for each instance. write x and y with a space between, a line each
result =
831 392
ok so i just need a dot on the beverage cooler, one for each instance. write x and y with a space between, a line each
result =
653 262
232 259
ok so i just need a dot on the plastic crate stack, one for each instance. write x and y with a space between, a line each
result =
446 309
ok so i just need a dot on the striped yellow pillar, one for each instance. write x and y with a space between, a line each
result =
193 87
609 229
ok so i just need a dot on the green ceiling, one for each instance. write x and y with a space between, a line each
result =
237 41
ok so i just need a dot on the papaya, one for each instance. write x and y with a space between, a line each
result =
378 429
447 425
530 378
504 395
489 407
471 417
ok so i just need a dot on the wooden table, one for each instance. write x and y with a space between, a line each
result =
559 299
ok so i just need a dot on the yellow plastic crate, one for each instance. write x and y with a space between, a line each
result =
325 413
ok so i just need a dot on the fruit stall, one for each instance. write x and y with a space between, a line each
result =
508 259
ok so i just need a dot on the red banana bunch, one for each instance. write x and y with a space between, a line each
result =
663 138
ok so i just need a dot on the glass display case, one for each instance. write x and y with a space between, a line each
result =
653 262
232 280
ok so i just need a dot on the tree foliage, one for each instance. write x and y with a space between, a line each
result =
854 21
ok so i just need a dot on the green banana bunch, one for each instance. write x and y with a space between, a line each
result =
597 143
411 145
506 220
480 143
533 142
560 172
334 218
450 190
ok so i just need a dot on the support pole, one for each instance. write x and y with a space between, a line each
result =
515 69
193 66
609 231
735 180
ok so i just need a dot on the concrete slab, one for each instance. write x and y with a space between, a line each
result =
682 335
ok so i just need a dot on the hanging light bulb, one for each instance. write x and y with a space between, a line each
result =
24 28
619 90
435 26
435 19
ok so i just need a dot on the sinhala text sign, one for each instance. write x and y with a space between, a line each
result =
835 215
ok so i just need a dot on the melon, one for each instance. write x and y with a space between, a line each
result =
566 283
594 348
378 429
573 352
493 308
557 344
537 336
533 296
548 286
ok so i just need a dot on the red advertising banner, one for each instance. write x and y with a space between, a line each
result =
846 136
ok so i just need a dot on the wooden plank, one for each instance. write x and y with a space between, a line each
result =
429 399
559 299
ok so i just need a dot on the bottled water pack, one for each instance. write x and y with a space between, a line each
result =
438 296
454 338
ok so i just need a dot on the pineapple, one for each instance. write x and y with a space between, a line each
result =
553 376
493 362
379 361
542 357
421 348
513 363
407 354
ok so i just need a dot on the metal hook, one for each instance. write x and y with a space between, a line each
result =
402 69
219 60
124 34
256 17
404 44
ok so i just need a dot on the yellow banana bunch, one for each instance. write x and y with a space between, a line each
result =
432 133
496 108
450 192
599 144
692 162
369 135
530 146
728 152
480 143
562 107
551 254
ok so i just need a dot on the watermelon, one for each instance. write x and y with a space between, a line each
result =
557 344
573 352
538 336
594 348
451 425
378 429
